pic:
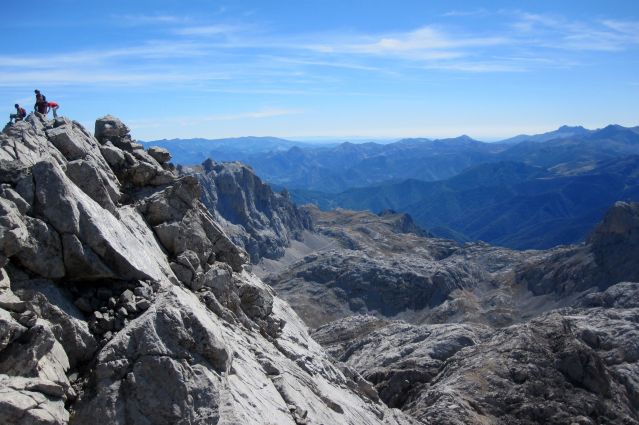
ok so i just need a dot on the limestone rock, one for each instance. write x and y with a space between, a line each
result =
99 187
31 401
261 221
110 128
161 155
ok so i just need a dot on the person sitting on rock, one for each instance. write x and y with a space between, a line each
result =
41 103
19 115
53 106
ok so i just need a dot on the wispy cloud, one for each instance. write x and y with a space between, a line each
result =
427 42
466 13
207 30
113 77
152 19
263 113
479 67
555 32
263 61
148 50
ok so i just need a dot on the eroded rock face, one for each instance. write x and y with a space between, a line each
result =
575 365
122 300
261 221
609 256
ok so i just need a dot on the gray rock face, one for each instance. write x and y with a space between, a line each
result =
123 301
110 128
402 223
567 366
609 256
261 221
615 242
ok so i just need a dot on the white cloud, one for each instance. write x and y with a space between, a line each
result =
479 67
466 13
152 19
207 30
553 32
263 113
425 43
259 61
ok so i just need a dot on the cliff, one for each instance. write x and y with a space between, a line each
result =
256 218
123 301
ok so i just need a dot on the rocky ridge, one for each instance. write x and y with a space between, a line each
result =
255 217
122 300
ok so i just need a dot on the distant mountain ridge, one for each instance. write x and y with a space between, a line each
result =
197 150
506 203
562 132
530 192
298 165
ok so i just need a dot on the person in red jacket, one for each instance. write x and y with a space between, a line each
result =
19 115
53 107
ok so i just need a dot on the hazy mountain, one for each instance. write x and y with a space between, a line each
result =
359 165
336 168
610 142
562 132
196 151
506 203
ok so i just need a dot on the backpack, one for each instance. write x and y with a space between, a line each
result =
22 112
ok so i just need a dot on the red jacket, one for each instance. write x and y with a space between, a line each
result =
52 104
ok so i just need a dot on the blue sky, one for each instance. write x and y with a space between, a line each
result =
327 68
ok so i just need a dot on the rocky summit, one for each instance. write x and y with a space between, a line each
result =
123 300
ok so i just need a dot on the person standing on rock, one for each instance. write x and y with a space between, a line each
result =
19 115
53 106
41 103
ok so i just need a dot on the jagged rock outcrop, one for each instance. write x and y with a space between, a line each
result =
569 366
609 256
261 221
123 301
403 223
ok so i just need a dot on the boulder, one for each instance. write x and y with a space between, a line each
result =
161 155
110 128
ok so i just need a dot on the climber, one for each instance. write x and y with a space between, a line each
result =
19 115
53 106
41 103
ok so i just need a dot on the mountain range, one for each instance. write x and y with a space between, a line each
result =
524 192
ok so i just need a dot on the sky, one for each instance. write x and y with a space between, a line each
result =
327 68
